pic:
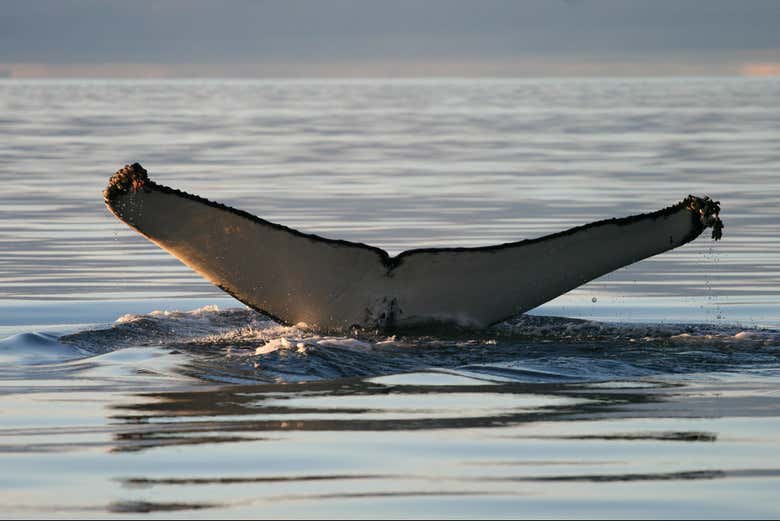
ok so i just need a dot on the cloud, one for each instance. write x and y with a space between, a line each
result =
761 69
244 37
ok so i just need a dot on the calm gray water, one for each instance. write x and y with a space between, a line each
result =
129 385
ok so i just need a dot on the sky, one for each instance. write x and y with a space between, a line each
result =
388 38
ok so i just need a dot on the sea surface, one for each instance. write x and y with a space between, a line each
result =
131 387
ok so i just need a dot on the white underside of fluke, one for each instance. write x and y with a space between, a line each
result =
330 284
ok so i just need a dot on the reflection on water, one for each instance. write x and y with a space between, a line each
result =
377 449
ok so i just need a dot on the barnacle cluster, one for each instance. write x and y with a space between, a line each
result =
130 178
709 213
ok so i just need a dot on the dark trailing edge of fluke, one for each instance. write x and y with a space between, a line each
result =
135 177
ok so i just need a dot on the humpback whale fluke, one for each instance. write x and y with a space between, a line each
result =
333 284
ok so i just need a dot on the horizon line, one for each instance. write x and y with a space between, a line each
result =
390 77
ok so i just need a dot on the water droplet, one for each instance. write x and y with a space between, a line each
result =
594 300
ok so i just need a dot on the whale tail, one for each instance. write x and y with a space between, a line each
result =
333 284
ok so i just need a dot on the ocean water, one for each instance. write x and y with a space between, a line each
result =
129 386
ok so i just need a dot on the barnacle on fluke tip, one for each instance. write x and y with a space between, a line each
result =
709 212
334 284
130 178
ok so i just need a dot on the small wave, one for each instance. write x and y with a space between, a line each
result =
239 345
37 348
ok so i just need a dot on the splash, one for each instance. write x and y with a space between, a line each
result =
233 345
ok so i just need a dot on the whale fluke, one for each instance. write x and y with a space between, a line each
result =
332 284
